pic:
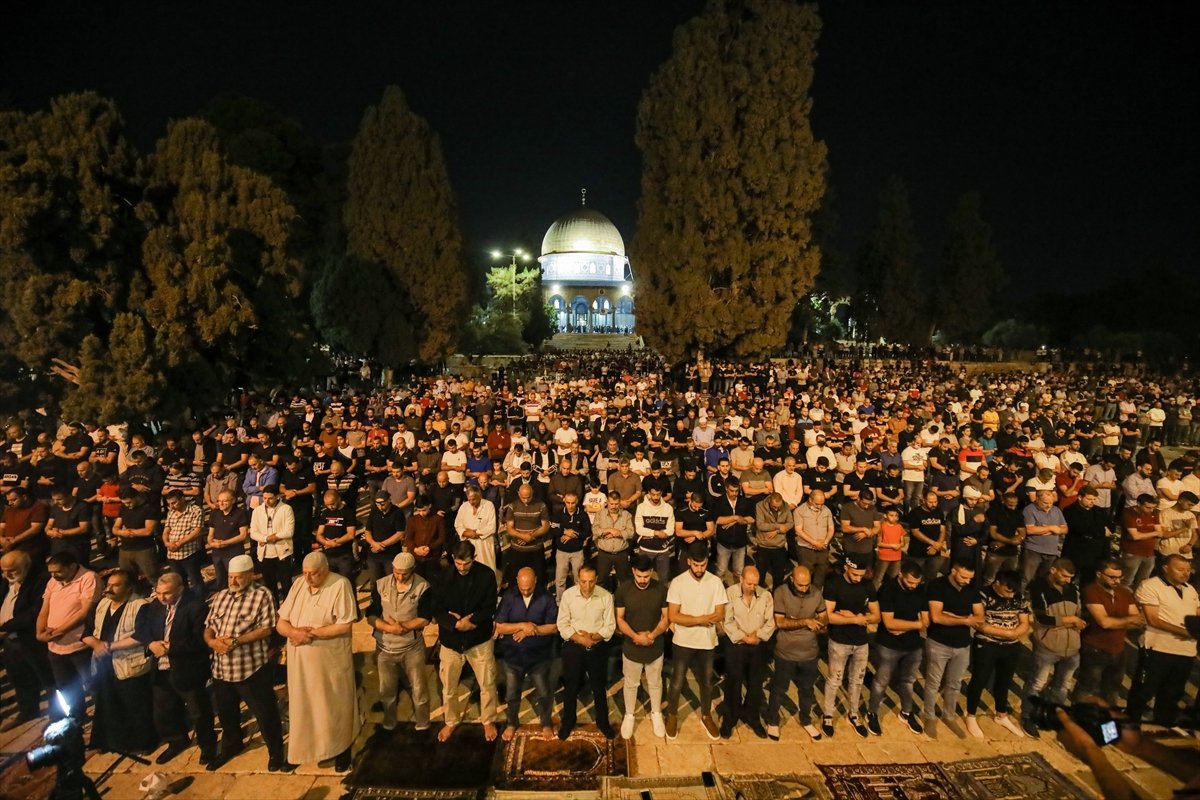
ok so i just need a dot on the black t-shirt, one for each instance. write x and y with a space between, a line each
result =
136 518
384 525
696 521
955 601
643 610
853 597
1007 522
227 526
336 522
906 605
65 519
930 522
295 481
815 479
737 535
231 453
103 450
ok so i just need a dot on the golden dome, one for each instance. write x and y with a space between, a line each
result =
583 231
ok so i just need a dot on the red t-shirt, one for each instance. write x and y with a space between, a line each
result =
890 533
1116 604
1142 523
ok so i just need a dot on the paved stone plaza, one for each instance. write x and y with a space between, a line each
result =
245 777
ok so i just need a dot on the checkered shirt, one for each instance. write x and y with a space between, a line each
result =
232 614
179 525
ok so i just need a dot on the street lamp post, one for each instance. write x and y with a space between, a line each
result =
514 255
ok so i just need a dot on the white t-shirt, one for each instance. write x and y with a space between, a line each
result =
912 454
697 598
455 465
1171 608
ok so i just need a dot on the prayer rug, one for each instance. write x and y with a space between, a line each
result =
710 786
1022 776
531 763
414 760
889 782
416 794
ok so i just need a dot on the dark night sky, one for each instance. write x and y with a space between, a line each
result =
1077 122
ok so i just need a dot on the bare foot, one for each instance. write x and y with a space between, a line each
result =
508 734
489 731
446 732
547 733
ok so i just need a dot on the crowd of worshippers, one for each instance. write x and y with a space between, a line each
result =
901 515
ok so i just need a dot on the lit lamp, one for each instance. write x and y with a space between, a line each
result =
514 255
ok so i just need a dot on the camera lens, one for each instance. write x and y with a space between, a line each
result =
45 756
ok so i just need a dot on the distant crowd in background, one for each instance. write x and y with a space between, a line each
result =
846 509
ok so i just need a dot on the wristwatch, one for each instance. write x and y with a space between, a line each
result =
234 643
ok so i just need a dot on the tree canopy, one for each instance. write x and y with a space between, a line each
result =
891 300
971 273
732 176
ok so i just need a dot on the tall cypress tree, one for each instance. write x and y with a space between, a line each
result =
732 175
401 224
69 241
222 287
971 273
892 302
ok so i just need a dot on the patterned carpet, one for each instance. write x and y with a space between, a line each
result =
1026 776
531 763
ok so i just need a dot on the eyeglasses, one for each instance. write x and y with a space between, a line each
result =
1112 577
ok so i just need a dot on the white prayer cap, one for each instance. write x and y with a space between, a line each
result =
241 563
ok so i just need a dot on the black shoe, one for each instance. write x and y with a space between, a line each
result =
342 762
606 729
283 765
173 749
1031 729
223 757
758 729
726 730
873 724
859 727
564 730
827 726
914 724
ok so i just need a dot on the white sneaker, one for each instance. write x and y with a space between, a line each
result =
973 727
1006 722
813 731
627 727
656 722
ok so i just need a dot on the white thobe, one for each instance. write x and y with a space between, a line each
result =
483 522
322 701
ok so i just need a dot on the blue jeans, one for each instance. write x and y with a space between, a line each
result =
944 670
896 664
841 655
1035 565
514 684
1046 663
725 555
1137 569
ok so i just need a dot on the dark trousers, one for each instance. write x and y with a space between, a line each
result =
72 674
1100 673
992 667
773 561
220 561
343 564
189 568
804 675
576 662
700 662
177 712
258 691
432 570
745 669
277 575
302 533
543 695
28 671
516 560
80 546
607 563
1163 678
